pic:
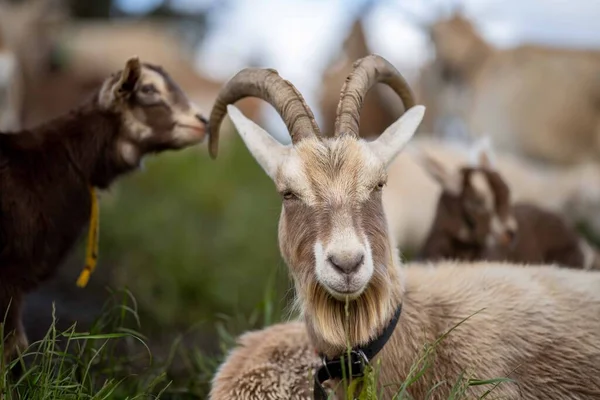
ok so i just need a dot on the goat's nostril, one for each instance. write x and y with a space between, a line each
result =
201 118
346 264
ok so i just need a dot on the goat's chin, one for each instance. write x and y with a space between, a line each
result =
336 319
344 289
345 295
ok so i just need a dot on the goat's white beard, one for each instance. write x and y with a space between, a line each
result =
333 324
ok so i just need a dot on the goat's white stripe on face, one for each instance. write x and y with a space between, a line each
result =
482 186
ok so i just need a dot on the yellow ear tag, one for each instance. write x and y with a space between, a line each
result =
91 252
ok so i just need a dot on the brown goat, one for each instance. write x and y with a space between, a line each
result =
476 220
46 173
539 326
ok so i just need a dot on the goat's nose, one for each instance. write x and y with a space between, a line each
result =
346 263
202 119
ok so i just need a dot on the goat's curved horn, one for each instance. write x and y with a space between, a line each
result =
367 72
265 84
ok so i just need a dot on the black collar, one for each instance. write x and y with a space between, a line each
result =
359 358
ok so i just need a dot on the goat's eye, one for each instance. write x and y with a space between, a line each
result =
288 195
379 186
148 89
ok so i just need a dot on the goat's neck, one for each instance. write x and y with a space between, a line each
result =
334 325
85 139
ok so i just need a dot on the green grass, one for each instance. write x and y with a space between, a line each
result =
193 238
110 361
369 388
113 360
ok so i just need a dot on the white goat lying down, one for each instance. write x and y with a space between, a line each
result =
411 194
539 325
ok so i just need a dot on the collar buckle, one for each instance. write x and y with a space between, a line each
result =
339 366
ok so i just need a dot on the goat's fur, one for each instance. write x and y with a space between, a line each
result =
477 220
46 173
273 363
537 325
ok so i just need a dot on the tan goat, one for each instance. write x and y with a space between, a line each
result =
540 326
538 101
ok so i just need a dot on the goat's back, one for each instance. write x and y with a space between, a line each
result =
539 325
547 236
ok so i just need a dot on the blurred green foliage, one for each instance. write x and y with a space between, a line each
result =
193 238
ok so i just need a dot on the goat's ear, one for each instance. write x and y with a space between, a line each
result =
129 77
449 180
482 154
396 136
267 151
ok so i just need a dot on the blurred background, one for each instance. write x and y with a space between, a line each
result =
195 240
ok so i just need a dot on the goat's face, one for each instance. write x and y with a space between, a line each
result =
486 208
332 230
155 112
